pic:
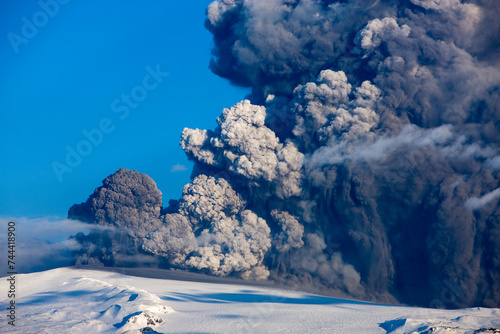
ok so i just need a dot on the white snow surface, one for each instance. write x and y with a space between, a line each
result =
67 300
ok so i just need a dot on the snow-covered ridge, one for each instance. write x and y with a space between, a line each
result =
63 300
86 301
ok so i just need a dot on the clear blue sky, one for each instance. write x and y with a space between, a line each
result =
66 75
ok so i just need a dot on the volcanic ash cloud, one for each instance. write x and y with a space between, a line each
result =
365 160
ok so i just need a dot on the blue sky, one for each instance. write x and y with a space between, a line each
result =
59 81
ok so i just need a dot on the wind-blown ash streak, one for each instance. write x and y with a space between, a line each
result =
373 127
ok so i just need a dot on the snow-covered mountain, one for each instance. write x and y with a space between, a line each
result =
67 300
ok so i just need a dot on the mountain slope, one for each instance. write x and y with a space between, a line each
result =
69 300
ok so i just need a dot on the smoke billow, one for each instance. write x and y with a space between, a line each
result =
213 232
125 209
42 243
366 160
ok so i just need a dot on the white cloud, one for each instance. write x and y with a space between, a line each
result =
474 203
40 243
178 168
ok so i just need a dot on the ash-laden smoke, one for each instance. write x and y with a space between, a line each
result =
367 159
125 209
213 232
395 108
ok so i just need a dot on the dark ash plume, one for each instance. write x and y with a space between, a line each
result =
125 209
367 159
395 107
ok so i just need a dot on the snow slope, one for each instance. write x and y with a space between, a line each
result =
69 300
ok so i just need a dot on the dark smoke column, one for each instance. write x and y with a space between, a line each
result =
126 207
394 107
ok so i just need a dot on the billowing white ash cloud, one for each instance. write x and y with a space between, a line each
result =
213 232
243 146
366 158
